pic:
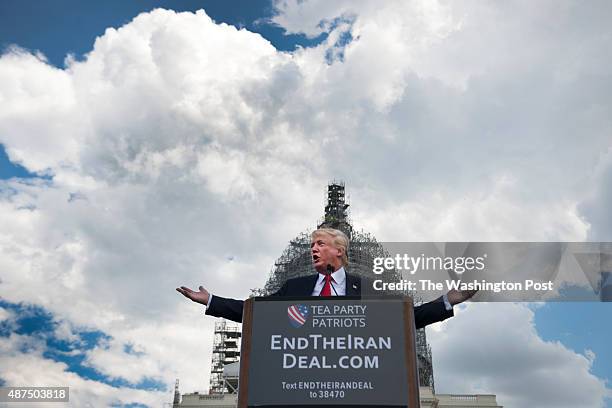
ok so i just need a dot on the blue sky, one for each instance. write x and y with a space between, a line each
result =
140 211
9 169
39 324
579 326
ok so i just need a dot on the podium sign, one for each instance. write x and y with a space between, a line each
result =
337 351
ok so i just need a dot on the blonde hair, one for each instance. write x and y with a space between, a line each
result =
339 239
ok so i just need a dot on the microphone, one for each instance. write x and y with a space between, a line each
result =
330 270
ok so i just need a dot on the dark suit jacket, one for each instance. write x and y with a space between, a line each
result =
231 309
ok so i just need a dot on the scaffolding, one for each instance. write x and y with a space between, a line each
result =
177 395
336 210
226 350
296 261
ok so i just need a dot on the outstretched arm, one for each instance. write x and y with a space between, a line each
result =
216 306
438 310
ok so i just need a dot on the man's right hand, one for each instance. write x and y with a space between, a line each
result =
199 297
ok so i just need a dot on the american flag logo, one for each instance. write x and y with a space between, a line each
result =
297 315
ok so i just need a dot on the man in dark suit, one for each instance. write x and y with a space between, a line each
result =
329 248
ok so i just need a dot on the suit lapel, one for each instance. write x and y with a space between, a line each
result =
307 288
353 285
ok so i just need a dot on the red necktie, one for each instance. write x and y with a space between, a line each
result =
326 291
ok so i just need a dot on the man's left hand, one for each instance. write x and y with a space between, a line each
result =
459 296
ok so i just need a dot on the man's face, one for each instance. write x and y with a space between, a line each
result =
325 253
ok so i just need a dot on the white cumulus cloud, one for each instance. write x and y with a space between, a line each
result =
494 348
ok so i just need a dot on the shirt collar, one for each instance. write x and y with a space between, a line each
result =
339 276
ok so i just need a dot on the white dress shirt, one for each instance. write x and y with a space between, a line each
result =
338 283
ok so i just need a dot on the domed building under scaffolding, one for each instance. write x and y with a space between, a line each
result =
296 261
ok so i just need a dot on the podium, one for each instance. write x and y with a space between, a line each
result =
328 352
